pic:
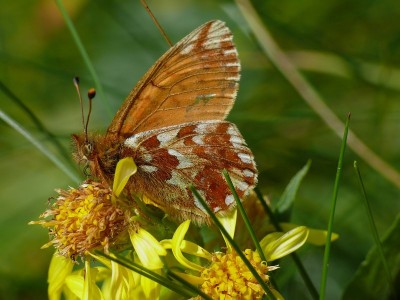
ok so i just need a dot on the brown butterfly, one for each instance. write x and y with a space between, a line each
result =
172 125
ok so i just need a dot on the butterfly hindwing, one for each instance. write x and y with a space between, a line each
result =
171 158
197 79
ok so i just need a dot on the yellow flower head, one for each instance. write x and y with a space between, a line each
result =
84 219
228 275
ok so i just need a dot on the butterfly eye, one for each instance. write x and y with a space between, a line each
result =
88 149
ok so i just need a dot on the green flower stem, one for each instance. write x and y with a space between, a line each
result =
268 210
244 215
232 242
147 273
378 243
42 148
303 273
83 52
332 212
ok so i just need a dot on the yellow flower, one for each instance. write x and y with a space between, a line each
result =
90 218
84 219
226 276
262 225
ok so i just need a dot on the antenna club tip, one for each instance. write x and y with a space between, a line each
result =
76 80
91 93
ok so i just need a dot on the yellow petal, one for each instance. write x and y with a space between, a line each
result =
147 248
90 289
229 223
194 280
316 237
117 285
126 167
176 247
60 268
151 289
277 295
189 247
285 244
75 284
270 238
102 259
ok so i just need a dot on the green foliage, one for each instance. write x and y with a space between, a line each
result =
371 281
286 201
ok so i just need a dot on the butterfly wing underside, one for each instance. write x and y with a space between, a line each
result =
172 158
197 79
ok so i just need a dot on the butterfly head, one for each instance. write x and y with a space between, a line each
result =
97 154
84 153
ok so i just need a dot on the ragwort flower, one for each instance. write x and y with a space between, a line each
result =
91 218
225 275
84 219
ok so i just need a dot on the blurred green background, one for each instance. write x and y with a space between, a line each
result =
348 50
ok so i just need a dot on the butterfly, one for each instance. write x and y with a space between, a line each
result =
172 125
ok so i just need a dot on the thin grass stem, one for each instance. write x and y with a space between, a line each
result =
42 148
36 121
162 31
244 215
83 53
332 212
374 230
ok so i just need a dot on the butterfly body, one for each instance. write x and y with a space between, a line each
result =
172 125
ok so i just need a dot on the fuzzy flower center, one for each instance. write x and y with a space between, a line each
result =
84 219
228 275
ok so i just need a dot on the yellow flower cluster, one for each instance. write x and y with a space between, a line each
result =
228 275
84 219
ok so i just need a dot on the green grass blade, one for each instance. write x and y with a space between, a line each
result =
12 123
35 120
374 230
244 215
370 280
332 212
83 52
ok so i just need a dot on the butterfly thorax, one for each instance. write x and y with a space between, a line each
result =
97 154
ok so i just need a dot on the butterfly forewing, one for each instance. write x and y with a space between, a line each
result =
195 80
171 158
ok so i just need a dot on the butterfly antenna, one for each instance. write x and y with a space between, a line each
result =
76 84
144 3
91 95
